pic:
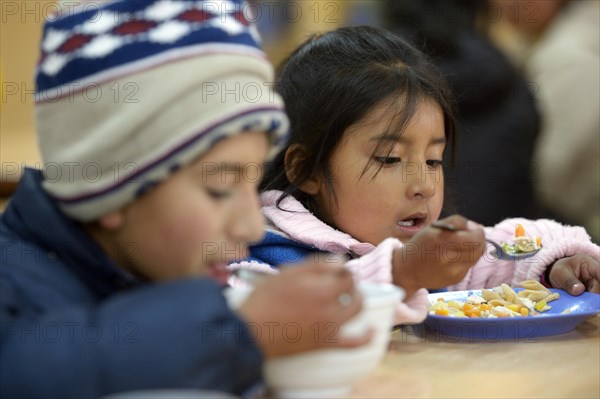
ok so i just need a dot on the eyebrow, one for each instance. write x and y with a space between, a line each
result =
215 168
235 168
230 167
389 137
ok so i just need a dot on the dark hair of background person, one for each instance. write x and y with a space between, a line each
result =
497 118
334 80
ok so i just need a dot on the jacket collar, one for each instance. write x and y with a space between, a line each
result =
34 216
293 219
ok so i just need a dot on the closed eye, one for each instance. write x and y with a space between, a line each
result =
218 194
387 160
433 163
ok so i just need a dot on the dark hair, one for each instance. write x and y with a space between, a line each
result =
434 26
334 80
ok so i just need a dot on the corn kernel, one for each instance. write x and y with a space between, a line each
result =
524 311
540 305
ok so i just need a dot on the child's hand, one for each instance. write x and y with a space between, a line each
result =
436 258
302 308
576 274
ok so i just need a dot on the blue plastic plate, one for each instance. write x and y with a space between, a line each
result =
566 313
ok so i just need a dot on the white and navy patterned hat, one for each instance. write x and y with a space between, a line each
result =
129 91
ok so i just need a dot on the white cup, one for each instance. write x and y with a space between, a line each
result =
327 373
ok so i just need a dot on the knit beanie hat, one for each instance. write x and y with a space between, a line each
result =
129 91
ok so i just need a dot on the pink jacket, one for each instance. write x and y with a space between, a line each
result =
374 263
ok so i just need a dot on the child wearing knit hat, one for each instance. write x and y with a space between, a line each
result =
154 119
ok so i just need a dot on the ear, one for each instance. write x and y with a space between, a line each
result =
111 221
295 156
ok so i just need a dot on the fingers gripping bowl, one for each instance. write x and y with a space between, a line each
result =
332 372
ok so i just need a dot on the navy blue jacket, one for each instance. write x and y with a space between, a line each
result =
74 325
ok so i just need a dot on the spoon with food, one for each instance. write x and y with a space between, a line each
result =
523 247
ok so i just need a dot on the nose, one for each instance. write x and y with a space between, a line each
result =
247 222
421 184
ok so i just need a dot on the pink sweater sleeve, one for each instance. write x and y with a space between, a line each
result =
376 267
559 241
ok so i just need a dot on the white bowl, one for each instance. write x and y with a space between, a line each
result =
327 373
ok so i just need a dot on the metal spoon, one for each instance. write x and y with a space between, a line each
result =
498 251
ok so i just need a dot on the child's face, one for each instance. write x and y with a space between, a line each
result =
199 218
405 195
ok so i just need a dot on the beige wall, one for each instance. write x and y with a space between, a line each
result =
317 16
20 29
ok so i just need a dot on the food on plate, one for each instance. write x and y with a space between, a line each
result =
500 301
522 243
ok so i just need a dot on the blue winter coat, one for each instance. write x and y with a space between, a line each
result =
74 325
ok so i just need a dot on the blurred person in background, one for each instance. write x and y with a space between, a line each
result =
562 58
498 122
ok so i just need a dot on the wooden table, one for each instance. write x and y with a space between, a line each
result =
434 366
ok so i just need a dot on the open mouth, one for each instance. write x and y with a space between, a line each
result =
414 221
218 271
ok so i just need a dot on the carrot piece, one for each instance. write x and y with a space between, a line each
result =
538 241
442 312
519 230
